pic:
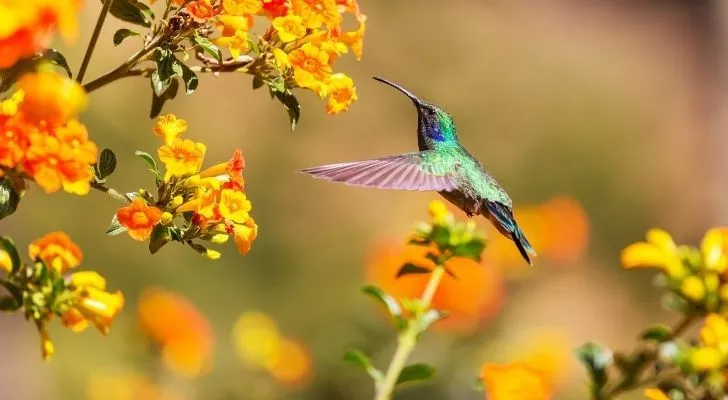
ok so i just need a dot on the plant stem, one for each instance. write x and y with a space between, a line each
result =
111 192
94 38
408 339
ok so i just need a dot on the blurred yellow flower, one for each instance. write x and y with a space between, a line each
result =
705 358
341 92
57 251
693 288
181 157
234 206
714 333
289 28
241 7
291 364
659 252
655 394
169 128
549 353
92 303
713 248
256 338
51 97
514 382
6 263
183 333
123 386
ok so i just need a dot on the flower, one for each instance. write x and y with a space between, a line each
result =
202 10
92 303
234 206
714 333
289 28
317 12
241 7
291 364
47 348
705 358
474 293
310 67
514 382
51 97
245 235
181 157
275 8
659 251
57 251
6 264
25 26
179 328
169 127
139 218
53 165
281 58
341 93
123 386
355 39
655 394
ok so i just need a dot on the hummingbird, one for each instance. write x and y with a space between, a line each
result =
442 165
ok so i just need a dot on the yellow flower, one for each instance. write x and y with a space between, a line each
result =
291 364
169 127
256 338
310 67
714 333
712 247
659 252
705 358
57 251
10 106
514 382
341 93
181 157
47 349
245 235
289 28
234 206
655 394
237 43
355 39
5 263
241 7
693 288
438 211
317 12
92 303
281 58
50 96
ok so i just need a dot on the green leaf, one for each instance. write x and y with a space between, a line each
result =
208 47
359 359
160 236
412 269
132 11
254 46
258 82
9 198
440 235
162 76
107 163
7 244
55 57
187 75
9 304
657 333
122 34
389 302
290 103
416 372
596 359
149 160
472 249
115 227
430 317
158 101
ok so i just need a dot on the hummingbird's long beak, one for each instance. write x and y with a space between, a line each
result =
409 94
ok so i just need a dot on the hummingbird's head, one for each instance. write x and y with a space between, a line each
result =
433 121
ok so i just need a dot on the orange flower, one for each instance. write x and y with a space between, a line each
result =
52 164
25 26
202 10
291 364
310 67
241 7
181 157
139 218
317 12
183 332
14 139
514 382
275 8
92 303
75 135
57 251
245 235
51 97
355 39
476 293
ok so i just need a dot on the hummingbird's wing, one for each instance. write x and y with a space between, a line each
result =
412 171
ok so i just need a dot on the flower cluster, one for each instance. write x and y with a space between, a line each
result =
516 381
260 345
180 331
41 138
208 205
46 288
26 25
696 278
299 47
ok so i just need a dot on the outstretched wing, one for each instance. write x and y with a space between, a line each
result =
424 170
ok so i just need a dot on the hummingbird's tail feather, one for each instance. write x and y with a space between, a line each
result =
502 217
404 172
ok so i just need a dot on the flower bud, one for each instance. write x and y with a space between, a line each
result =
219 238
212 254
166 218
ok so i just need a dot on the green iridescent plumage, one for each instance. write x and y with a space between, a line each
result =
442 165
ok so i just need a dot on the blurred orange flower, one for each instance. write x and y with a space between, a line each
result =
57 251
25 26
123 386
514 382
51 97
548 353
558 230
139 218
92 303
474 294
291 364
175 324
6 264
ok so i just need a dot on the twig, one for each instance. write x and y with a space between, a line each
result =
111 192
94 38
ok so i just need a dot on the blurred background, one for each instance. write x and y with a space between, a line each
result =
601 118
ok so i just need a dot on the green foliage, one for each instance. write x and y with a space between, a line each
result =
208 47
132 11
416 372
106 165
596 359
389 302
150 162
412 269
115 227
359 359
122 34
159 100
7 244
9 197
657 333
161 235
